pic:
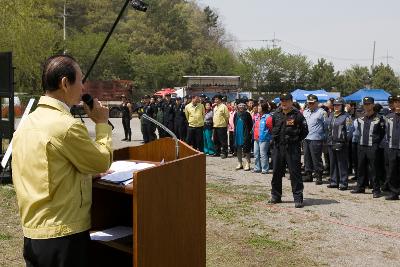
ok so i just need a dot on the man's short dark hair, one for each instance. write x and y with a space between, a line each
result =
218 96
55 68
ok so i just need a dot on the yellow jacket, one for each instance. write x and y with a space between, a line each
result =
221 116
195 115
53 162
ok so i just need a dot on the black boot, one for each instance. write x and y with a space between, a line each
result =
318 180
130 135
392 196
308 177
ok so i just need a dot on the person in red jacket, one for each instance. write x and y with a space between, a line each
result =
262 138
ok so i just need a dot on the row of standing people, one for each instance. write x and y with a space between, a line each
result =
367 142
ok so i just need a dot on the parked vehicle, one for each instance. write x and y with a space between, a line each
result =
18 107
109 93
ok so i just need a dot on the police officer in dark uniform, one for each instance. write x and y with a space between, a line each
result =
339 127
353 142
147 126
371 130
126 110
180 122
168 112
289 130
385 144
160 116
393 149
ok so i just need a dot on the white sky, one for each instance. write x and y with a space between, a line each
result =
342 31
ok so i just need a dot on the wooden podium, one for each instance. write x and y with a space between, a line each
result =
165 206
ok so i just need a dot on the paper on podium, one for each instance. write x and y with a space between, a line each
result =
123 171
111 234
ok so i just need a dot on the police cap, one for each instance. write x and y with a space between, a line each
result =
339 101
395 98
312 98
368 100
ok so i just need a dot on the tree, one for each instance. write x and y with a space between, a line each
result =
113 62
159 71
297 72
356 77
383 77
322 75
31 38
263 66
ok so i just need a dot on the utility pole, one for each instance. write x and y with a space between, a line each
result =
387 57
274 41
373 59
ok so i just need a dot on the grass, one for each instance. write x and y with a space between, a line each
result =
11 237
265 241
236 235
4 237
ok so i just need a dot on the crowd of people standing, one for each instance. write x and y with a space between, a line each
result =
337 139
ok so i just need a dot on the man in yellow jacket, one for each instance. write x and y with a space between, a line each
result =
53 163
220 123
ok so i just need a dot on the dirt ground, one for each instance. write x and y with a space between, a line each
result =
334 228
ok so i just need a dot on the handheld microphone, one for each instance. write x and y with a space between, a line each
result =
88 100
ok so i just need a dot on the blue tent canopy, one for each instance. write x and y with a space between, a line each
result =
323 96
378 94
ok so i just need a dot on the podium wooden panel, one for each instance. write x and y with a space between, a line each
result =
165 206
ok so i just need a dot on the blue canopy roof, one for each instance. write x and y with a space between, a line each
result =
377 94
301 95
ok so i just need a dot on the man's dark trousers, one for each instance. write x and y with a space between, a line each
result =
394 170
290 154
367 167
221 140
313 156
338 165
72 250
148 132
126 123
354 158
195 138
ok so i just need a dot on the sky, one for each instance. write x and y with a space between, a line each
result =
342 31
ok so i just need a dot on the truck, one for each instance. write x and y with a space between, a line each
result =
108 93
228 86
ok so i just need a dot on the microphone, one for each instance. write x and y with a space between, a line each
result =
139 5
88 100
144 116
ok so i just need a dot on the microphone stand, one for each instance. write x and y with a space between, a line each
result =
167 130
104 45
106 41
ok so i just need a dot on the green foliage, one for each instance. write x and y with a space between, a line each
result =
273 70
384 77
322 75
113 63
155 49
355 78
158 71
32 38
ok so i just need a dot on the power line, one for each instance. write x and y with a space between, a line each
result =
313 52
